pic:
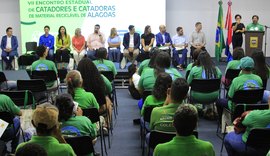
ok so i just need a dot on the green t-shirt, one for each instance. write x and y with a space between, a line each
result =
108 85
7 105
83 124
151 101
143 65
255 27
85 99
42 65
186 146
234 64
188 69
162 118
244 82
51 145
105 65
255 119
148 77
197 72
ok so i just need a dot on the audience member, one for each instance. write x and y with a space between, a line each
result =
185 121
7 105
162 64
194 63
71 115
255 26
47 40
74 83
235 143
204 69
162 117
149 63
180 44
45 120
238 30
147 41
114 42
31 149
102 63
9 45
134 79
159 93
95 40
63 45
78 45
131 43
197 39
245 81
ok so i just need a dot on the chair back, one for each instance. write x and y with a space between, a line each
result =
145 94
205 85
46 75
34 85
251 96
92 114
26 60
230 75
6 116
108 74
147 113
31 46
258 138
21 98
158 137
82 145
264 83
241 108
187 74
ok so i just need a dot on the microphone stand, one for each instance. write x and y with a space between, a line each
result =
265 41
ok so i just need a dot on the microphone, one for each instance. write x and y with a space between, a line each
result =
266 26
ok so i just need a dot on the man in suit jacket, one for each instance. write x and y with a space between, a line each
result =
9 45
131 43
163 39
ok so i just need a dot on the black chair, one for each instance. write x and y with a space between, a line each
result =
146 118
187 74
264 83
204 86
30 47
62 73
158 137
26 60
3 79
82 145
93 115
229 76
22 98
49 76
36 86
250 96
109 75
258 139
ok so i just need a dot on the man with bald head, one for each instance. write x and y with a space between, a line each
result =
163 39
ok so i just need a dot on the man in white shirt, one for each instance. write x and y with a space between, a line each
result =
197 39
95 41
180 43
9 45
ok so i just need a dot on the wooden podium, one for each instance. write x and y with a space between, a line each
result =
253 40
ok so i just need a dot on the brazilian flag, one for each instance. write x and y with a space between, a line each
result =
220 45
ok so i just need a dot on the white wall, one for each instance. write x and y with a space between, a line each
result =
10 17
179 13
186 13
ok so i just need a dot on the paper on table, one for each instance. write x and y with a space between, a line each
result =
164 48
3 127
179 48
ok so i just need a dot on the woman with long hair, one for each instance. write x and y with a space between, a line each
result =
114 42
96 83
63 45
147 41
159 92
205 69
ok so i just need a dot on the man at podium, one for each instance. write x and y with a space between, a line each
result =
255 26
